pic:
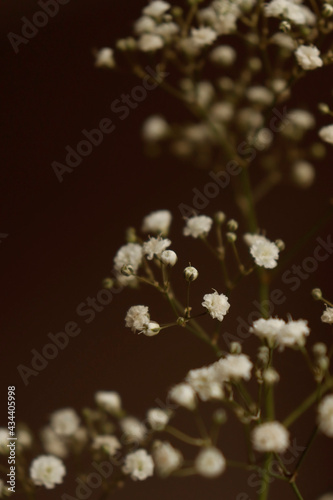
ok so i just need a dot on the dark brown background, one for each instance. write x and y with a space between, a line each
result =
62 239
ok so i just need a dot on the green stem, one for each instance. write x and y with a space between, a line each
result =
296 490
305 452
184 437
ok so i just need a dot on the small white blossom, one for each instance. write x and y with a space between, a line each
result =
293 333
104 58
210 462
301 119
205 382
235 367
137 318
198 226
327 316
139 465
128 255
156 8
155 128
303 174
271 376
203 36
223 55
267 328
157 222
291 10
167 31
222 111
270 436
183 395
134 430
149 42
24 438
145 24
308 57
169 258
265 253
157 418
216 304
47 471
325 415
109 444
190 274
155 246
167 459
326 134
151 329
65 422
110 401
284 41
52 443
260 95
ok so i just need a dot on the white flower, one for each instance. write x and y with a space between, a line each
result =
157 222
250 119
223 55
155 128
110 401
157 418
167 459
47 471
260 94
104 58
134 430
144 24
156 8
203 36
65 422
210 462
216 304
308 57
327 316
222 111
109 444
169 258
326 133
265 253
271 436
284 41
326 496
325 415
183 395
291 10
267 328
205 382
137 318
139 465
234 367
271 376
149 42
155 246
292 333
303 174
197 226
4 441
52 443
167 30
251 238
301 119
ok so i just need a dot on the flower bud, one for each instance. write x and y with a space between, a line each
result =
323 363
169 258
231 237
235 348
152 329
126 44
107 283
271 376
127 270
285 26
219 416
319 349
280 244
190 273
327 10
323 107
181 321
316 294
219 217
131 235
232 225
